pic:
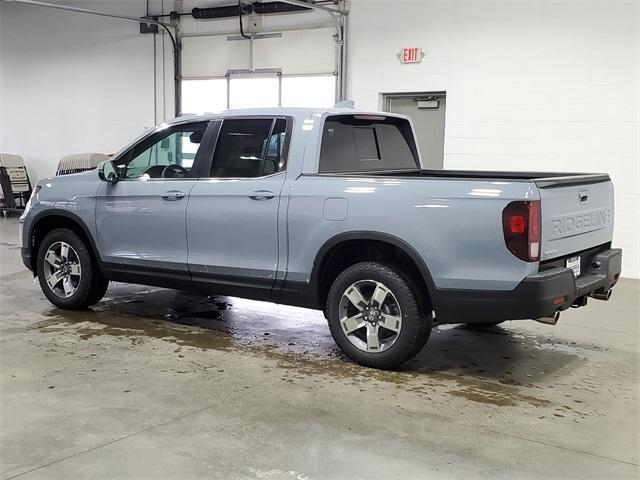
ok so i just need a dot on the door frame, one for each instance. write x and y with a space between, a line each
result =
385 106
386 97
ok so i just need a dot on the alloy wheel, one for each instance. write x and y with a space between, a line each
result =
370 316
62 270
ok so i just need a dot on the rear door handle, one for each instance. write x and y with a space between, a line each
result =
172 195
261 195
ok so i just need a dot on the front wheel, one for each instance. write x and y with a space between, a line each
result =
68 275
375 317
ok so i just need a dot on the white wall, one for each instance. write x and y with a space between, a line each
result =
531 85
72 83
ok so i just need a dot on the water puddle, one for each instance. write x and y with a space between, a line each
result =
486 368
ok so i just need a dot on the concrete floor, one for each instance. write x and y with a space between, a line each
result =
155 384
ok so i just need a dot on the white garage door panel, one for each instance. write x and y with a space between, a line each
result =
212 56
302 51
307 51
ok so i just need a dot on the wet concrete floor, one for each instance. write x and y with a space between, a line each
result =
155 383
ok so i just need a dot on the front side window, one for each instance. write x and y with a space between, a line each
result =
361 143
166 154
249 148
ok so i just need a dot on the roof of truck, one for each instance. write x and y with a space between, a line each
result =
283 111
300 114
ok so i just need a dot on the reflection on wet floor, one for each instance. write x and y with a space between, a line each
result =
494 366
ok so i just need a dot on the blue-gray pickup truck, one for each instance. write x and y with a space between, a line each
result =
328 209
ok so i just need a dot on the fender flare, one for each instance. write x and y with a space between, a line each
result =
381 237
57 212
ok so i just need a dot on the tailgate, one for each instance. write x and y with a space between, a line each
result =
577 213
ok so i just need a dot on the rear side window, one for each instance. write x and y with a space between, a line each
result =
361 143
249 148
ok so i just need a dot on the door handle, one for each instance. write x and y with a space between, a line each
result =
172 195
261 195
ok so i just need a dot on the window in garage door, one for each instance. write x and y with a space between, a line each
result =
250 92
200 96
309 91
216 94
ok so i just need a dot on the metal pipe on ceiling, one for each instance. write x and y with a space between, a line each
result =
302 3
57 6
260 8
176 45
333 13
264 30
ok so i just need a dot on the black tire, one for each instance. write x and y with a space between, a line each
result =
98 289
91 286
415 327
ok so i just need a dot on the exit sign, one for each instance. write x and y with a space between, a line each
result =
411 55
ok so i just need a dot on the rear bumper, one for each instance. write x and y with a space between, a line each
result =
539 295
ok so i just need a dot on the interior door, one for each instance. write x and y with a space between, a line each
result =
232 216
427 113
141 219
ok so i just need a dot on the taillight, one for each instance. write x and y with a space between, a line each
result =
521 226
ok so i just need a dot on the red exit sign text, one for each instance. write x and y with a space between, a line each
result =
411 55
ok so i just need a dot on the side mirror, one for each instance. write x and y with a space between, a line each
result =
107 172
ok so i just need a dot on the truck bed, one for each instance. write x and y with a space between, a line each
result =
541 179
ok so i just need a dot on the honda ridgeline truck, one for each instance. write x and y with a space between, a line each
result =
325 209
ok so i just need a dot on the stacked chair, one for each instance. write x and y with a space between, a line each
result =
15 187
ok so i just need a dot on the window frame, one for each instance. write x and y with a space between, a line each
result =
206 168
169 129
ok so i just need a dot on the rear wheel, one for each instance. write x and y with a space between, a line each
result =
68 274
374 315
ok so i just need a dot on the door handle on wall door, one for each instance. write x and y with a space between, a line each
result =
261 195
172 195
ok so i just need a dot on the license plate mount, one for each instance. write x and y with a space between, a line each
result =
574 264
